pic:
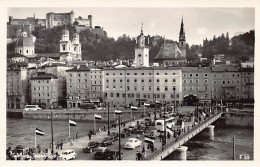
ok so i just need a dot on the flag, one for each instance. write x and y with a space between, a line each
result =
146 105
72 123
204 115
118 112
170 129
133 108
97 116
39 132
148 139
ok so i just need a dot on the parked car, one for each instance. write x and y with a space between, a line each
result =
132 143
92 146
113 155
68 154
114 135
32 108
132 126
126 132
101 153
108 140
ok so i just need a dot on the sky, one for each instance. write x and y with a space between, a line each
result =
199 23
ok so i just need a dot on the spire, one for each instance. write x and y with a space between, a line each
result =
182 32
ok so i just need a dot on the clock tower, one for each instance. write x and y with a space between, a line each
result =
142 51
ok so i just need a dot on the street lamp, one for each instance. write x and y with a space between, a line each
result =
108 129
51 133
119 115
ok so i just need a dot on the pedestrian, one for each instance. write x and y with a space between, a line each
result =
58 145
137 136
76 136
137 155
152 147
39 148
46 150
104 127
89 136
168 136
160 137
142 116
61 144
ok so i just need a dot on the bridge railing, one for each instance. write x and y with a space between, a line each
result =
180 139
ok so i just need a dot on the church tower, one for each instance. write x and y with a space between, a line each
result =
65 42
182 40
76 46
142 51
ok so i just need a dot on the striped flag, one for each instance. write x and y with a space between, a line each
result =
39 132
72 123
133 108
148 139
118 112
97 116
146 105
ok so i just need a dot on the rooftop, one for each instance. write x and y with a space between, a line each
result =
44 76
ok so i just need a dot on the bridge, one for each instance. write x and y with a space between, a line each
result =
176 145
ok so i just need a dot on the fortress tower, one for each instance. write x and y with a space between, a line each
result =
142 51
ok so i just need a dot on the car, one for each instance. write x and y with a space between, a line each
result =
132 126
32 108
113 155
132 143
108 140
67 155
101 153
92 146
114 135
125 132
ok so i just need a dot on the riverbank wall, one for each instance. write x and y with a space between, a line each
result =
83 115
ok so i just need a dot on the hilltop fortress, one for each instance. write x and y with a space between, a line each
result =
52 20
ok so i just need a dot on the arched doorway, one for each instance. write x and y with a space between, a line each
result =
190 100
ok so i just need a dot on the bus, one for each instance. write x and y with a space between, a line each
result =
159 123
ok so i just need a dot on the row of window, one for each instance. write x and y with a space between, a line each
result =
86 75
40 81
196 81
138 95
44 94
194 88
227 82
195 75
226 75
142 80
107 74
166 88
47 88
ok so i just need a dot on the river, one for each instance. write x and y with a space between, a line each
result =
222 146
21 131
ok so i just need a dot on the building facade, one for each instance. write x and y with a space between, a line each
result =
197 85
78 86
17 88
96 92
44 90
136 86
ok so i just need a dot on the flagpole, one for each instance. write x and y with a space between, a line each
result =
35 137
94 124
69 126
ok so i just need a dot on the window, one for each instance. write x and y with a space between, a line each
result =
166 80
173 73
135 73
223 76
107 81
121 80
142 73
205 80
27 51
135 87
157 73
114 73
206 87
70 75
238 81
191 81
237 89
190 75
135 80
78 75
120 73
166 88
237 75
223 82
150 73
123 95
105 94
107 73
184 75
196 75
114 86
142 87
158 88
174 88
111 94
150 88
184 81
150 80
128 88
127 80
86 80
184 87
206 96
190 87
166 73
127 73
78 80
197 81
158 80
117 94
142 80
64 47
174 80
205 75
114 80
197 87
137 95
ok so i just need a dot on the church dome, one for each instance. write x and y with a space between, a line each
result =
24 41
65 32
76 35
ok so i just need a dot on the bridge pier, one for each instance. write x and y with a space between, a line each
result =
180 153
208 132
